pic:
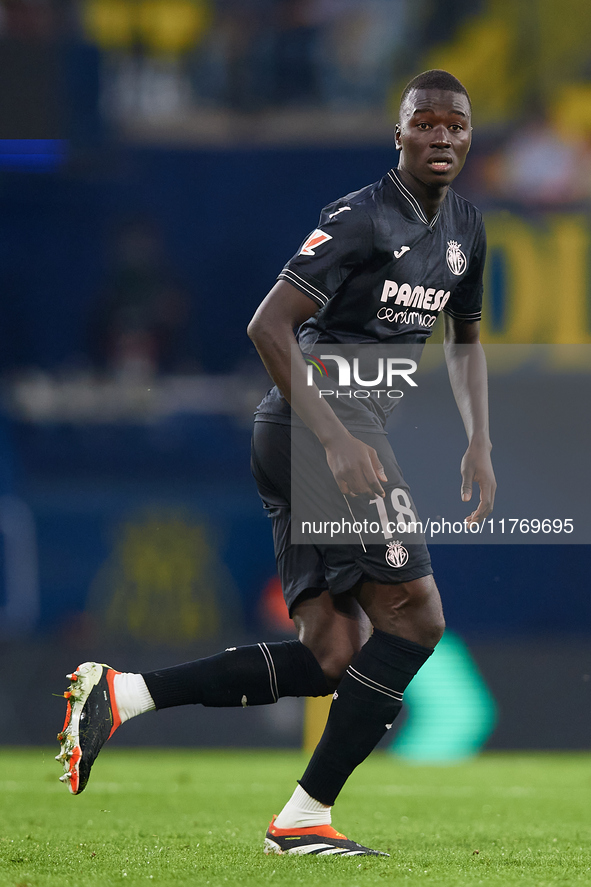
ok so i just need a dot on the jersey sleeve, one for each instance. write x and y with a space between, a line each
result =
465 302
342 241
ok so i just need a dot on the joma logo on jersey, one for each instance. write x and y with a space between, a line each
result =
311 243
429 299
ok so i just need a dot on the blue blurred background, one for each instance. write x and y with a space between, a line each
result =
160 160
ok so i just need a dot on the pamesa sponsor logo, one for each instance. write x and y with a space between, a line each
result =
421 299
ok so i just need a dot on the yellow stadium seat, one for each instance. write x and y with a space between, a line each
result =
572 110
109 23
172 26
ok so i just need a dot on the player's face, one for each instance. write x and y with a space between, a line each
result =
434 135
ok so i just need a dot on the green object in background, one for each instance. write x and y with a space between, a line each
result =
451 710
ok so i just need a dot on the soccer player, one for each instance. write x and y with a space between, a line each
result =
367 621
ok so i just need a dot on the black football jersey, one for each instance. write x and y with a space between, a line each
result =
380 272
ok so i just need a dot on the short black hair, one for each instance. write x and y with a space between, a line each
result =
435 79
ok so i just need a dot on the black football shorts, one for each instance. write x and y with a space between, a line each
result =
321 565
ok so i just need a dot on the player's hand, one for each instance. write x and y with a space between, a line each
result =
356 467
477 467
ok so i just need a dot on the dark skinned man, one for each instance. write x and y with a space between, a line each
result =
382 264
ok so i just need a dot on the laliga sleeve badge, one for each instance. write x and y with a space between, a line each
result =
315 239
396 555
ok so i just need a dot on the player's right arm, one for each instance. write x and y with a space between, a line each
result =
355 466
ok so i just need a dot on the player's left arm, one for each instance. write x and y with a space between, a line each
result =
466 364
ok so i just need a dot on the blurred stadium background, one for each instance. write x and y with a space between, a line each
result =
159 162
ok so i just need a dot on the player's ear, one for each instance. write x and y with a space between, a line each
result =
397 133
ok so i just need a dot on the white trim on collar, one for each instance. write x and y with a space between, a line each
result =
413 201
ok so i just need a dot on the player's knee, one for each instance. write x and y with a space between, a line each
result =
424 612
428 614
333 658
433 630
333 630
334 672
423 628
410 609
334 664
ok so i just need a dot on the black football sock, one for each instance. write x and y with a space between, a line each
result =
364 706
253 675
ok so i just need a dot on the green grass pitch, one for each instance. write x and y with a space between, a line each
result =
191 817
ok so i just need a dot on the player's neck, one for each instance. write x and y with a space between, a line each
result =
429 196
